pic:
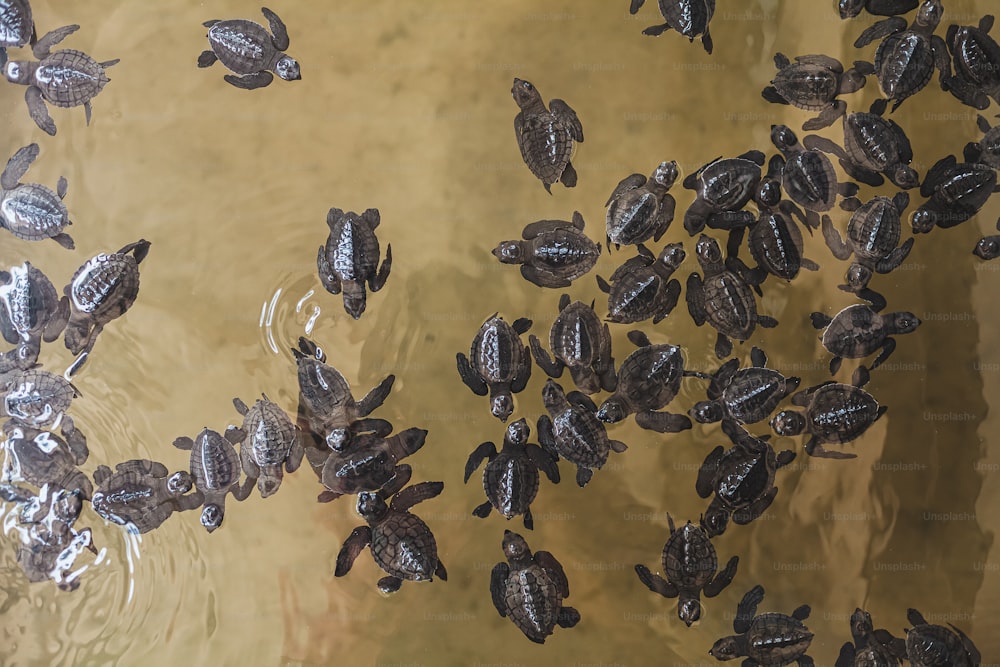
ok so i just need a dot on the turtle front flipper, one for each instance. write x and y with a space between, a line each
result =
18 165
377 281
498 587
38 111
417 493
278 30
565 113
662 422
250 81
486 450
655 582
359 538
553 368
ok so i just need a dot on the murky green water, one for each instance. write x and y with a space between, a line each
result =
407 109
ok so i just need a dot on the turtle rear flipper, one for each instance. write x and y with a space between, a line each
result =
656 30
722 578
568 177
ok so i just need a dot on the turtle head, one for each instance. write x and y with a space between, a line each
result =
371 506
788 422
18 71
670 258
929 14
525 94
502 405
666 174
858 276
861 624
337 439
706 412
518 432
553 395
923 221
268 484
708 251
689 611
783 137
211 517
179 483
905 177
509 252
850 8
988 247
287 68
716 519
769 192
904 322
726 648
612 410
66 506
514 547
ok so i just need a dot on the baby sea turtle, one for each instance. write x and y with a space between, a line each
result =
858 331
745 395
988 247
976 56
498 363
141 494
580 342
101 290
367 463
48 545
955 191
215 466
813 83
690 564
873 145
38 398
327 409
31 211
648 380
642 287
30 307
907 56
871 647
723 299
834 413
807 176
851 8
688 17
640 209
741 477
40 457
249 50
929 645
350 258
873 235
16 26
546 136
401 543
269 441
65 78
723 187
987 149
530 589
510 478
770 639
573 431
774 239
553 253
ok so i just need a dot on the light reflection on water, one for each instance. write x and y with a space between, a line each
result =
408 110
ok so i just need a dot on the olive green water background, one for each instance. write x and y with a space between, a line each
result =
406 107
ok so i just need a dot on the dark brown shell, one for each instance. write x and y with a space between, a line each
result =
840 413
404 546
69 78
105 286
16 25
37 397
730 306
511 483
777 639
689 559
243 46
33 212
